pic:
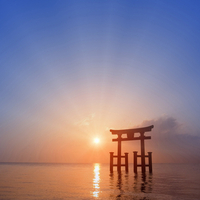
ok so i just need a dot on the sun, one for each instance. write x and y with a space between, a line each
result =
96 140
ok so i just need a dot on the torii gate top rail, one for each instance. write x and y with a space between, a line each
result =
130 133
133 130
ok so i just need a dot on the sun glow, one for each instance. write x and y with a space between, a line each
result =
96 140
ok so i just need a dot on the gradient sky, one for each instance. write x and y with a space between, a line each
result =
72 70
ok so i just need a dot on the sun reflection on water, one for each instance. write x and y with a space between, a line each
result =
96 180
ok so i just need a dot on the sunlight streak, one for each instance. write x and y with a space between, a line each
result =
96 180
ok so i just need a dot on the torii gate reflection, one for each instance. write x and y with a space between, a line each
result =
130 136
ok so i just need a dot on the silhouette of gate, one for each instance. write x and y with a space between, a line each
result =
130 135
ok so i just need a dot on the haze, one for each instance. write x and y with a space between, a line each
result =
72 70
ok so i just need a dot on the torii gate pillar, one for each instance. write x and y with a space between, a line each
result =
119 153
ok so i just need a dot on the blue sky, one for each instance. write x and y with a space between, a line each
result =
71 70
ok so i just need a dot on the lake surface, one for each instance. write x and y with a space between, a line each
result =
94 181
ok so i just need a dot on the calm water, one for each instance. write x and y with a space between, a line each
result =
93 181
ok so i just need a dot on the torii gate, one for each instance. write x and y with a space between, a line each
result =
130 136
